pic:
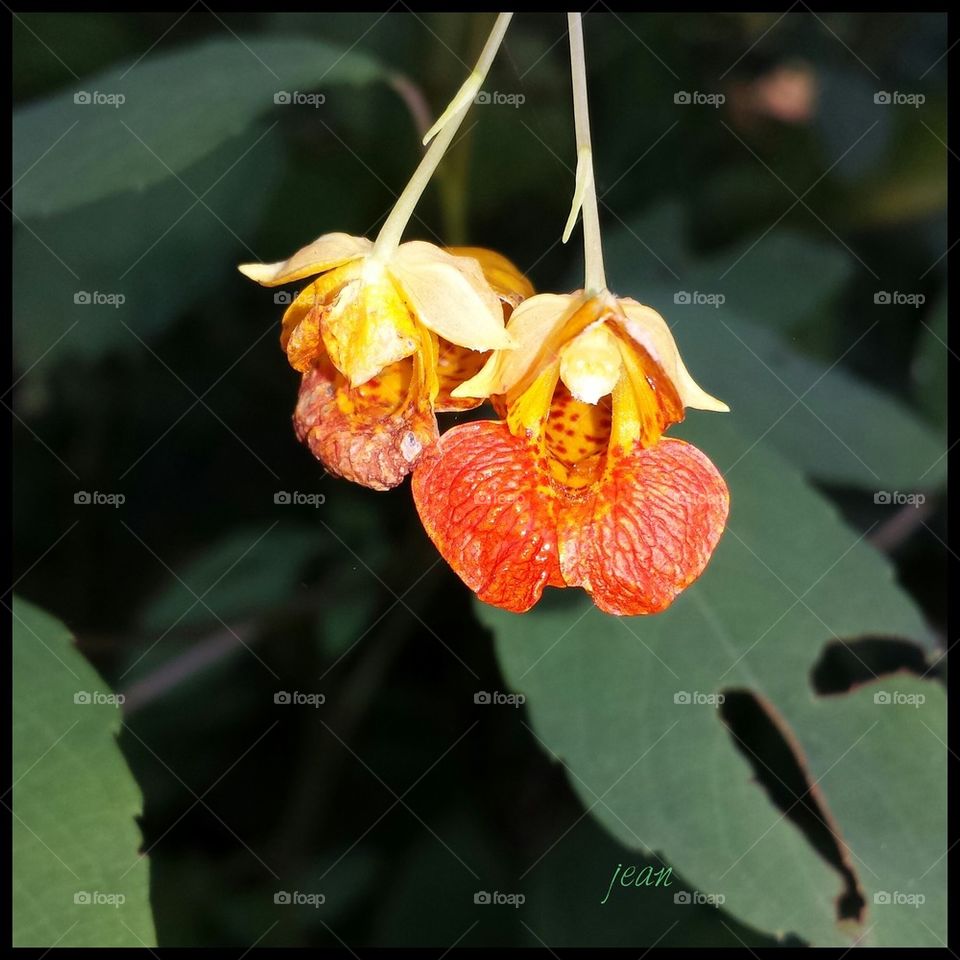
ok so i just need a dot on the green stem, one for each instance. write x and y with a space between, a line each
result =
445 130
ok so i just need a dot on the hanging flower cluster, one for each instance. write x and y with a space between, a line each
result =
575 483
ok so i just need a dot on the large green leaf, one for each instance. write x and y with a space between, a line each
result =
111 274
247 572
79 876
833 424
787 578
931 362
176 109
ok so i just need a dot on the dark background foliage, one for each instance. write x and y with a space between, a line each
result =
201 597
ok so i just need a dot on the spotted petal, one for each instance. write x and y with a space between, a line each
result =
647 530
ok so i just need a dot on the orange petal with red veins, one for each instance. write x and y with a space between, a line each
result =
647 531
483 503
373 434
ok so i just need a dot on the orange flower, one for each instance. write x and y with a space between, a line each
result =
381 344
577 486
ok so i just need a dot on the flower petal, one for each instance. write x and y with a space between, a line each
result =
454 365
374 434
648 530
650 330
300 330
532 326
489 512
508 283
367 327
449 296
323 254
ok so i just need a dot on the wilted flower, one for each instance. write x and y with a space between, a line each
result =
382 342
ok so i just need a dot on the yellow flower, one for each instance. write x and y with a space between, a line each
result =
382 342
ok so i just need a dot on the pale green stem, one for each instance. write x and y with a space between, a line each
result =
444 130
585 196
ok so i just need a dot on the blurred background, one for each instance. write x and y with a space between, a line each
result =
794 165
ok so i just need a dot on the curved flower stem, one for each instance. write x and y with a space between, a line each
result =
585 196
442 134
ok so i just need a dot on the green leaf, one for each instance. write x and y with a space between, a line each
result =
79 876
176 109
109 275
787 578
779 282
930 364
834 425
582 898
244 574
